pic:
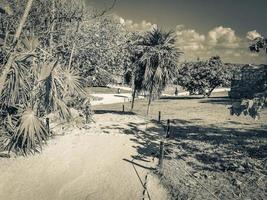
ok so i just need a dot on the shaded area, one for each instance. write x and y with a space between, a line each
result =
113 112
182 97
225 152
214 100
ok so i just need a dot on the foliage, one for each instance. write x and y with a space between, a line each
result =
251 107
155 63
258 100
258 45
29 134
38 80
101 50
203 77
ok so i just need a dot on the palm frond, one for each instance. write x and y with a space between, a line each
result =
62 109
73 82
5 7
30 134
16 85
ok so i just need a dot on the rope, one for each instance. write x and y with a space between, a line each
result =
145 188
143 184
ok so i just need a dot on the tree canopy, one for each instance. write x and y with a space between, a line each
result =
155 62
202 77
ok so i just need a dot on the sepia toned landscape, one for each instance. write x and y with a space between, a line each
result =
103 100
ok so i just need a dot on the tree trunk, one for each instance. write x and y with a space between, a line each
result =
149 100
51 42
11 57
208 95
133 97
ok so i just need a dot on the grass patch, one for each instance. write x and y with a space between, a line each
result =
227 154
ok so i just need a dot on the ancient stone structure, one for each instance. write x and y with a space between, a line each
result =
250 81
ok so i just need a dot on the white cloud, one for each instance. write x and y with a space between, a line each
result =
220 40
189 39
252 35
223 37
132 26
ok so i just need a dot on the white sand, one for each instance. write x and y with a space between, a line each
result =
82 164
126 97
111 98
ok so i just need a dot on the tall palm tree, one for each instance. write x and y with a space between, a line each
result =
11 57
158 61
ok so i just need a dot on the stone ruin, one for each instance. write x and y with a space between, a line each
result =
251 80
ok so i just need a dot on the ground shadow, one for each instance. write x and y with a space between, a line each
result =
215 148
181 97
217 100
219 148
114 112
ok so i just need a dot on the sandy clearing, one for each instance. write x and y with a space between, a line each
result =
111 98
83 164
126 97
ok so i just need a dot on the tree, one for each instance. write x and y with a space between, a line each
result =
103 50
258 45
11 55
202 77
35 80
156 65
134 73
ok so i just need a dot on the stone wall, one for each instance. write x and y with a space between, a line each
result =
251 80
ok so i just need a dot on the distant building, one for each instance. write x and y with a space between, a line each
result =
251 80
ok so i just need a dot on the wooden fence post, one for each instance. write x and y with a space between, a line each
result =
145 188
168 129
87 113
47 124
159 116
161 154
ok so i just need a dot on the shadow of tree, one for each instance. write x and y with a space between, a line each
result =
182 97
217 100
214 148
113 112
219 148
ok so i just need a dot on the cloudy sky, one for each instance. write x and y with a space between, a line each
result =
203 27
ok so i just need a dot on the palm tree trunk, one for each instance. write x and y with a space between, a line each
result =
149 100
211 90
11 57
52 25
133 98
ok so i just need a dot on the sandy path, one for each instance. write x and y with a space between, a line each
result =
111 98
83 164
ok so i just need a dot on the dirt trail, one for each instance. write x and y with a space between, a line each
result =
84 164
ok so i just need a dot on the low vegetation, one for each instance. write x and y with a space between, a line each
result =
53 51
203 77
223 153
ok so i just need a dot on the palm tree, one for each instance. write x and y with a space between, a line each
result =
34 83
158 62
11 57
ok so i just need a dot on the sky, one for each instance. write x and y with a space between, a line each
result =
203 27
